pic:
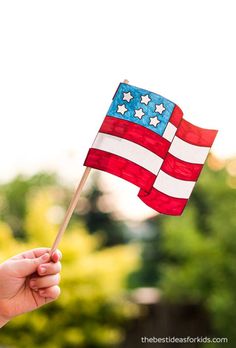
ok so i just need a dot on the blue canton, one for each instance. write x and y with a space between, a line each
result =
143 107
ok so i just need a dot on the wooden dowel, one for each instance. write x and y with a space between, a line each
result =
72 206
70 210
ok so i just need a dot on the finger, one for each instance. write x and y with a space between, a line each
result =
44 282
25 267
49 268
31 254
51 293
56 255
40 251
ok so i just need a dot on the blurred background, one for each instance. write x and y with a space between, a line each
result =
128 273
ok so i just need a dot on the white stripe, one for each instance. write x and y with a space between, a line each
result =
188 152
173 187
169 131
129 150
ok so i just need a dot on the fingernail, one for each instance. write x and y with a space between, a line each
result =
45 257
55 257
42 270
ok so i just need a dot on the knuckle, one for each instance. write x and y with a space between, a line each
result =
54 292
57 292
59 266
58 278
54 268
33 261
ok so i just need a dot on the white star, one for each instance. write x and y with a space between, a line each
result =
139 113
121 109
145 99
154 121
160 108
127 96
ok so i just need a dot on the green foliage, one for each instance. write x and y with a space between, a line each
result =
200 249
151 255
92 308
13 197
191 258
100 220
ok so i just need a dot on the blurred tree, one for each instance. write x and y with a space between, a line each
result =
92 308
13 199
93 208
151 255
191 258
200 249
99 216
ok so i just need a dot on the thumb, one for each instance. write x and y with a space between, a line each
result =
25 267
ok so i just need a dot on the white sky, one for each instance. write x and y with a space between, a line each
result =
61 61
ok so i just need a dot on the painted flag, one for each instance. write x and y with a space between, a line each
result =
145 140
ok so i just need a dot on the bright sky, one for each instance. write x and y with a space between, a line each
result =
61 61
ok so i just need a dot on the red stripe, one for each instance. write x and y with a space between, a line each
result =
136 133
121 167
176 116
163 203
181 169
196 135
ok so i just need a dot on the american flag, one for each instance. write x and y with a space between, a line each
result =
145 140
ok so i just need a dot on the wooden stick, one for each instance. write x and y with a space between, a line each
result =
70 210
72 206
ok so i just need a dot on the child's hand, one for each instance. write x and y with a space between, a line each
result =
28 281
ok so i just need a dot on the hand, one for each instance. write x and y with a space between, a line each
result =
28 281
